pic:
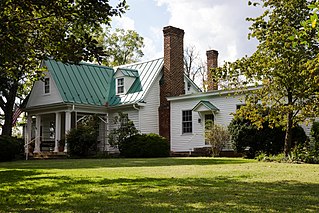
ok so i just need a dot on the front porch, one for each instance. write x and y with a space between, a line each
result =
45 132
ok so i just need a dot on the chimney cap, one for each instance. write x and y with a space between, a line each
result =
211 52
169 30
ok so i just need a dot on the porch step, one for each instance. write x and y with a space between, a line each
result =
48 155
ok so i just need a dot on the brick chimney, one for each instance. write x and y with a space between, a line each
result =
172 82
212 62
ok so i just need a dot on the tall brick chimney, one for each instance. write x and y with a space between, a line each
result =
172 82
212 62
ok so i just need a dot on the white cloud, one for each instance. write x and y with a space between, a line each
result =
124 22
217 24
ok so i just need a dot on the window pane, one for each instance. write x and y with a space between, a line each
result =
46 85
187 126
120 85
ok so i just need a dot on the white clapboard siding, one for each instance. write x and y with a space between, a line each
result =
187 142
149 113
38 97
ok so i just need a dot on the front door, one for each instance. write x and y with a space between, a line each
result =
209 120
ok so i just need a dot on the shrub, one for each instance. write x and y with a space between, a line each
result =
125 129
10 148
308 152
217 136
144 146
83 139
247 138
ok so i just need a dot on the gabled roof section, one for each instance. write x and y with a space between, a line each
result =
129 72
147 72
82 83
193 83
205 106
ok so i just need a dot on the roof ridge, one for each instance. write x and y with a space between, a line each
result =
82 63
136 63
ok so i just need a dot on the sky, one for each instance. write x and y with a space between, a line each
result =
208 24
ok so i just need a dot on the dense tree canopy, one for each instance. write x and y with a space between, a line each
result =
121 46
286 69
31 31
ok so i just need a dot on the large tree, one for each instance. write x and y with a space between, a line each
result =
285 68
121 46
31 31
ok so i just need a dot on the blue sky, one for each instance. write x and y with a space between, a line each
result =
208 24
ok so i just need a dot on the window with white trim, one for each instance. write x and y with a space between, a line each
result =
120 85
46 85
187 126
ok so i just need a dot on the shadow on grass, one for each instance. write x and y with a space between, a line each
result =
220 194
121 162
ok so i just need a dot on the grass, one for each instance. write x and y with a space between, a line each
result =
158 185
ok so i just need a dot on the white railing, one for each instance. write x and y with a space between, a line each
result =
26 147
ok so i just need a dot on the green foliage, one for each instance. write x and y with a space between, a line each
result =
82 140
217 136
31 31
10 147
144 146
121 47
309 152
286 69
125 128
269 141
314 132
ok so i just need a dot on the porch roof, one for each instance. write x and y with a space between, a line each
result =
205 106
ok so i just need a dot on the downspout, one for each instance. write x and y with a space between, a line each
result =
139 117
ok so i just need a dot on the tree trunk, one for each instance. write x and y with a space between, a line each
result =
8 110
288 135
287 145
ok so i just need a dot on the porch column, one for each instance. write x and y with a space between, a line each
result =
67 128
57 131
37 134
28 133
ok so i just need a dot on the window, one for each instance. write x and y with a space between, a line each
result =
120 85
47 85
187 126
238 106
188 86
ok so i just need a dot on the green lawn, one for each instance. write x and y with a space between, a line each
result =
158 185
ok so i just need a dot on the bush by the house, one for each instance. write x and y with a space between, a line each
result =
247 138
11 147
309 152
125 129
82 140
144 146
217 136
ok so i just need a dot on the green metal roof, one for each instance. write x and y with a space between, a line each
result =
129 72
82 83
147 71
207 104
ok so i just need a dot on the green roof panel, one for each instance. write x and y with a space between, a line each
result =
82 83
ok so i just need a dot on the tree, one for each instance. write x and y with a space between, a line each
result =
121 47
32 31
193 65
285 68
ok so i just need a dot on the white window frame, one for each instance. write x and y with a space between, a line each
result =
120 87
187 122
46 87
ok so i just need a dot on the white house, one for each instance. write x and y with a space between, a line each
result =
157 96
